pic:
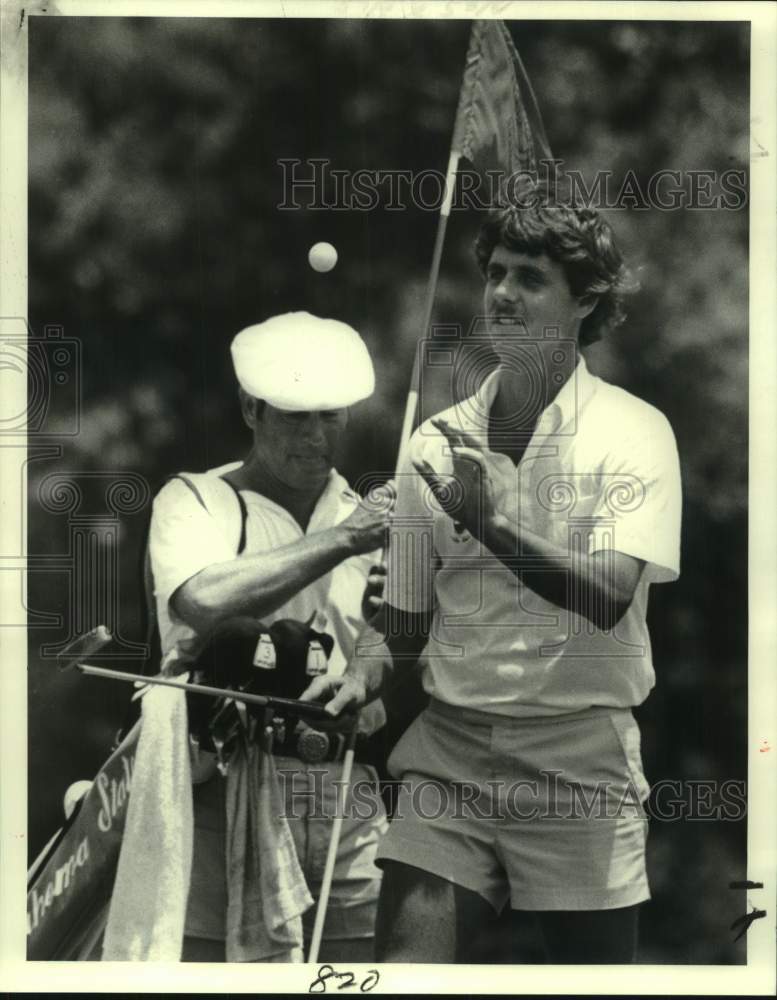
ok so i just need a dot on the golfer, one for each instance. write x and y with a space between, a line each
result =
279 535
531 520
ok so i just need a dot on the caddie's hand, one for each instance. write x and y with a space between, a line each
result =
342 697
367 526
372 599
467 495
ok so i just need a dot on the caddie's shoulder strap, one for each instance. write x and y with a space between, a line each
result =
243 515
153 640
152 624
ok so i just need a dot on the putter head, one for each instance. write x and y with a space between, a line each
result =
83 646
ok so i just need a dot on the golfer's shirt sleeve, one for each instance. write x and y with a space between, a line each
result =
411 558
184 539
638 511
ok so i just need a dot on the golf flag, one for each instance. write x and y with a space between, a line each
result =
498 123
498 127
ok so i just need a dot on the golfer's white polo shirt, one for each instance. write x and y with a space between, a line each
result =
600 472
186 537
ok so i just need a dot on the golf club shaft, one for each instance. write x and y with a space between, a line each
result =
334 842
311 709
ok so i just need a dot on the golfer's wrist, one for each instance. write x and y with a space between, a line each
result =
497 527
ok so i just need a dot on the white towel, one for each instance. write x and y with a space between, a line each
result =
266 889
148 906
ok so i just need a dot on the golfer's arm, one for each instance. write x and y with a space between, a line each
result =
259 583
388 646
600 587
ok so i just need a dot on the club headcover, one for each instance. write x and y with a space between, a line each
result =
244 654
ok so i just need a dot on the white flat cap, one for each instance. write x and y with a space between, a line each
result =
301 362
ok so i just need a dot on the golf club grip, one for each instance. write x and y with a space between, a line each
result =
83 646
311 709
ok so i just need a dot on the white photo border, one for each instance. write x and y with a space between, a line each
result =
759 976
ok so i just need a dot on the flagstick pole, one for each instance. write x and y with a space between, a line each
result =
431 289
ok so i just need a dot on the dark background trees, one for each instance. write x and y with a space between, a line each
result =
154 236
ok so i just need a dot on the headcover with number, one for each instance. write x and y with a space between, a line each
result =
244 654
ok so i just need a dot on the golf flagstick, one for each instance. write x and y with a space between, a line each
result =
334 842
498 123
411 404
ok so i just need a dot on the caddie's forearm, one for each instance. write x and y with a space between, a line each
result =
259 583
582 585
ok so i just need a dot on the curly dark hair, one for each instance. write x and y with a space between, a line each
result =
576 237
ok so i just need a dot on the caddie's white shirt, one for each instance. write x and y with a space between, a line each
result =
601 471
186 538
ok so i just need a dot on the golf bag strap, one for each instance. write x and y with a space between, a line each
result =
153 642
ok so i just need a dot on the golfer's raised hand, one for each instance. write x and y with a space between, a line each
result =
366 527
467 495
342 696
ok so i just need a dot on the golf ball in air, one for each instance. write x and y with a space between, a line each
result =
322 257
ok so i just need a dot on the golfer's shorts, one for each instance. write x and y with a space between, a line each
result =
544 813
311 804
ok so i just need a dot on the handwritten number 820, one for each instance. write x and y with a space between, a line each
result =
326 972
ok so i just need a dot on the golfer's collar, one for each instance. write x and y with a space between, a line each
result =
573 395
571 398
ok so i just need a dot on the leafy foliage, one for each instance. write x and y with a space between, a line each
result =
155 235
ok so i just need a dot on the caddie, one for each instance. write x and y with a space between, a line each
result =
277 536
532 518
